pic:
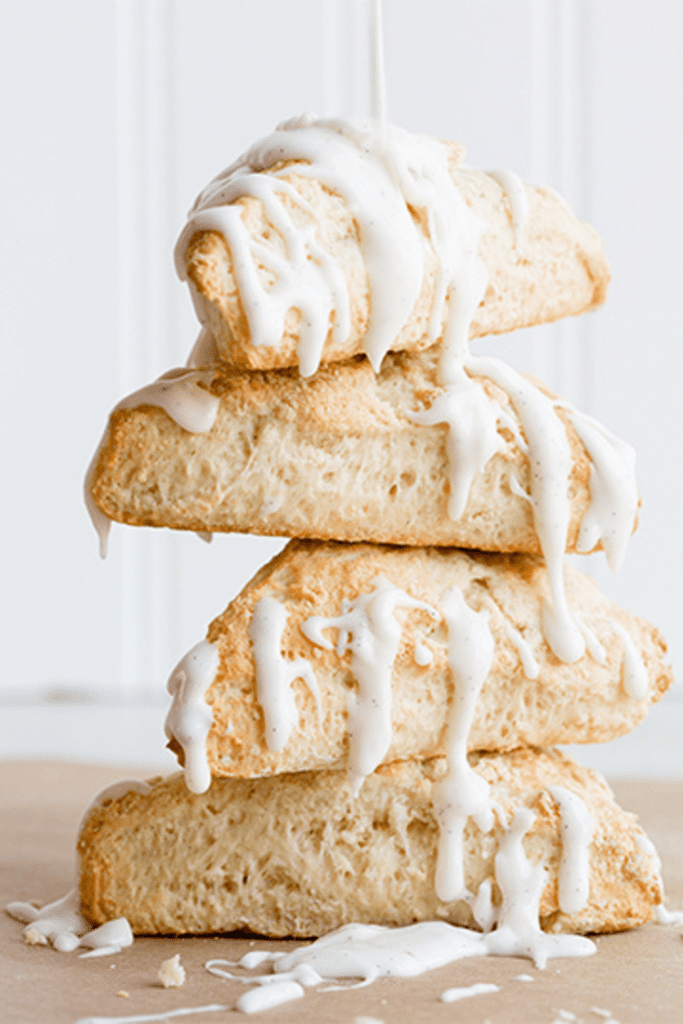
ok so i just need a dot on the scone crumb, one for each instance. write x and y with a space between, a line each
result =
34 937
171 973
605 1014
123 994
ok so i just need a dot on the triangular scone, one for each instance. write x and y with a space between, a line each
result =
341 457
298 855
558 270
280 702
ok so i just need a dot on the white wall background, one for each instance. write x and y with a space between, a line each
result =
114 114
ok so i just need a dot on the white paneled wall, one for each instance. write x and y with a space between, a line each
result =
115 114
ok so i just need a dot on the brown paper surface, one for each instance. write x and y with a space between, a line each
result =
637 976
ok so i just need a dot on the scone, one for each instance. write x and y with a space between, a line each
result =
290 252
276 700
298 855
353 456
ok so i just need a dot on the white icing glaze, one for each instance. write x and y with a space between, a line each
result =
61 921
454 995
593 645
577 831
521 885
517 488
265 997
482 907
633 672
526 655
551 466
303 974
380 174
611 515
473 437
145 1017
369 952
514 188
62 924
190 717
111 936
180 394
461 793
369 629
274 675
664 916
422 654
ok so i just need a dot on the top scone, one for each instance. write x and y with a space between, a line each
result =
329 241
326 240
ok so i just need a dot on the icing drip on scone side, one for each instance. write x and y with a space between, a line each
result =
530 665
422 655
473 436
593 644
518 932
382 175
577 831
551 464
369 629
634 674
274 675
462 793
612 513
190 717
184 396
514 188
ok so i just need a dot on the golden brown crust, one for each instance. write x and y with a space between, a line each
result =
334 457
299 855
580 703
559 271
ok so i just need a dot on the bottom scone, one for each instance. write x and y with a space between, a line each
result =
298 855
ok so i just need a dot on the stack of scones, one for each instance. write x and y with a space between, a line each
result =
367 732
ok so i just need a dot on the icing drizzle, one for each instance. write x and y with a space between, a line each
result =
274 675
577 831
190 717
462 793
382 175
368 628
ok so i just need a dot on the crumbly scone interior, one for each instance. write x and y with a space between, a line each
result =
301 855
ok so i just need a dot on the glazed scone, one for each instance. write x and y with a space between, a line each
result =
529 697
299 855
556 268
336 457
